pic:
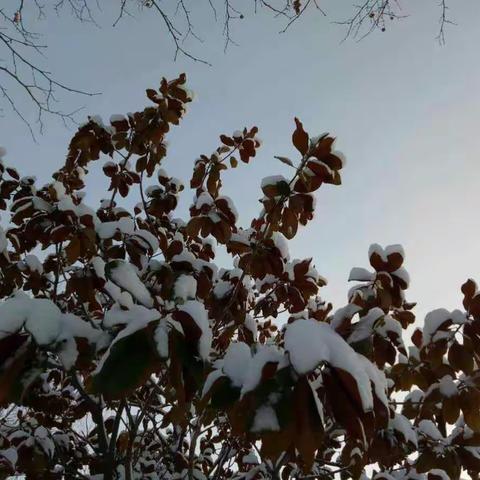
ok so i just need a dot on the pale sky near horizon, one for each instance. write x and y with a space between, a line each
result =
403 108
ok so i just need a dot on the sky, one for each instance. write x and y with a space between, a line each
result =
403 108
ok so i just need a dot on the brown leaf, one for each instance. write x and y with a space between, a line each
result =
460 358
300 137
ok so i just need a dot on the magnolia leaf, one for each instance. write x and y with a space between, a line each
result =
300 138
127 364
285 160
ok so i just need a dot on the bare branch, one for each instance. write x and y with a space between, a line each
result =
20 73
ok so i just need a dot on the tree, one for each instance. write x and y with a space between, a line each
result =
126 353
23 76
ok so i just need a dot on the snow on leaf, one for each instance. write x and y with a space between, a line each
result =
428 428
433 321
135 313
359 274
124 275
212 377
197 312
185 287
401 424
309 343
265 354
13 313
236 362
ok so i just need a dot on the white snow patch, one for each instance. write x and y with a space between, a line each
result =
197 311
401 424
428 428
124 275
310 343
185 287
265 420
264 354
236 362
447 386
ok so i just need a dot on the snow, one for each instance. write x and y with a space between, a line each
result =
365 326
474 451
342 313
383 476
68 353
251 458
251 325
231 205
13 313
33 263
147 237
433 320
222 288
116 117
151 189
390 325
43 439
108 229
125 300
46 323
360 275
161 339
281 243
185 256
214 217
376 248
119 316
273 180
428 428
309 343
59 189
401 424
41 317
134 324
242 236
236 362
265 420
389 249
264 354
9 453
212 377
165 325
376 376
458 317
176 183
402 274
3 240
447 386
197 311
73 325
415 396
124 275
66 205
185 287
312 272
203 199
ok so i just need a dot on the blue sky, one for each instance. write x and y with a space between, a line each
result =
403 108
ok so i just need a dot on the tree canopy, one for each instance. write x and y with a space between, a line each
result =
127 353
